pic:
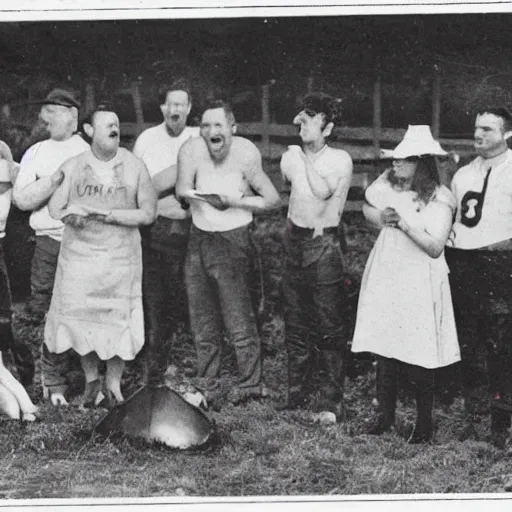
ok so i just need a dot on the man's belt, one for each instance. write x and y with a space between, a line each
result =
299 231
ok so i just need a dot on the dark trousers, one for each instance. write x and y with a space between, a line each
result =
216 276
21 353
481 284
314 297
165 302
54 367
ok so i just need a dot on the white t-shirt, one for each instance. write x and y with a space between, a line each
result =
305 209
41 160
159 150
496 222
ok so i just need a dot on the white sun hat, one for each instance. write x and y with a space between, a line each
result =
417 141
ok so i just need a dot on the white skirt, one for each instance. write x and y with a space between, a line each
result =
405 309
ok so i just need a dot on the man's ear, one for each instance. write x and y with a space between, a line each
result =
507 135
88 129
162 109
328 129
189 107
233 129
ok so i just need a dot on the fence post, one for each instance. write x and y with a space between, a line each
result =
89 100
265 120
310 84
137 105
436 104
6 111
377 115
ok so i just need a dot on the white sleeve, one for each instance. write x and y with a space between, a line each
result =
379 194
437 214
138 147
27 173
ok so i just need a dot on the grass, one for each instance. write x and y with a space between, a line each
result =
261 452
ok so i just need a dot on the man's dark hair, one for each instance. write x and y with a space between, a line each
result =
103 106
224 105
180 84
502 112
319 103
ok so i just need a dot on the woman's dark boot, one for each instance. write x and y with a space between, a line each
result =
423 382
387 375
500 424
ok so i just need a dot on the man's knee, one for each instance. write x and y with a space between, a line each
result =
332 339
498 340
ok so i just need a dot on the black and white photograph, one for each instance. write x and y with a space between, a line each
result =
256 256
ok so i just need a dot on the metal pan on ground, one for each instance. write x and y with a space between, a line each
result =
158 414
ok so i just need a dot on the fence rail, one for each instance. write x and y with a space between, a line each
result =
272 140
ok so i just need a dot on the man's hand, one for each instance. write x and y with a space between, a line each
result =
389 217
451 239
77 221
57 177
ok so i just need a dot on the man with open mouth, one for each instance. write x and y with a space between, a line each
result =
221 176
96 307
164 243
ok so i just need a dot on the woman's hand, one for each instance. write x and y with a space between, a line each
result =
389 217
402 225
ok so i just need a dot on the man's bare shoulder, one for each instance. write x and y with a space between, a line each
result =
193 147
245 149
131 160
341 154
241 143
340 161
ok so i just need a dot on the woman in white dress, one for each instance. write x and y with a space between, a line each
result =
405 313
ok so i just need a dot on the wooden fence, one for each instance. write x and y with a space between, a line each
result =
362 143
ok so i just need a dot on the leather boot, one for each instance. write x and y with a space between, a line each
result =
470 416
387 385
423 383
500 424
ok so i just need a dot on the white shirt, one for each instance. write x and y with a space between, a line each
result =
41 160
496 222
159 150
305 209
5 197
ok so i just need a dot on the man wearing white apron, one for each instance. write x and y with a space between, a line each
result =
96 306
